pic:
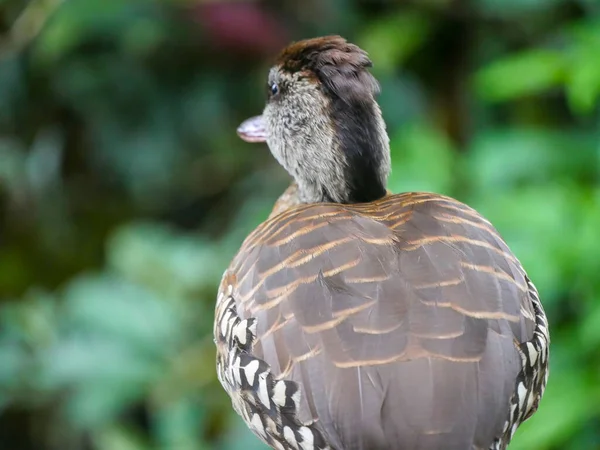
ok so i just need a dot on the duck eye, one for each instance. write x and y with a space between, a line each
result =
274 89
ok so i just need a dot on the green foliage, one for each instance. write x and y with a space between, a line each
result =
538 70
528 72
413 148
394 37
124 192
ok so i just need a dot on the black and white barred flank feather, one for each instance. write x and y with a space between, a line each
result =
267 405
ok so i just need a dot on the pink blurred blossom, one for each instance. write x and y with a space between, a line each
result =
245 28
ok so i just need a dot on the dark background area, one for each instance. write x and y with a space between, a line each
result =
124 192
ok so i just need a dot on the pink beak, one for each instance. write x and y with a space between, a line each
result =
253 130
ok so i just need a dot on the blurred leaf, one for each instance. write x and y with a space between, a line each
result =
154 255
586 245
102 377
503 158
97 365
92 405
422 160
589 330
528 72
117 309
179 424
119 438
583 83
393 38
14 363
583 80
33 320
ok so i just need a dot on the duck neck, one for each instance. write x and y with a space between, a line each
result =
360 173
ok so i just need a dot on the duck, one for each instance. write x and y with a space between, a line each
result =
353 318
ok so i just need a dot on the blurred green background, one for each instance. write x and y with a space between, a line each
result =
124 192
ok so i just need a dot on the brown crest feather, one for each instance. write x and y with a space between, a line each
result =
339 65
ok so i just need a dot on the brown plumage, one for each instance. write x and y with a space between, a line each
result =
402 322
337 64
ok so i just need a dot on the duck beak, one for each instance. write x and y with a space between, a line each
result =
253 130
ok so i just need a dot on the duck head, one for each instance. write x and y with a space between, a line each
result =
322 122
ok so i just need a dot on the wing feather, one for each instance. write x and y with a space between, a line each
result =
398 320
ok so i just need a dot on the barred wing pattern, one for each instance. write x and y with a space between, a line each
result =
402 323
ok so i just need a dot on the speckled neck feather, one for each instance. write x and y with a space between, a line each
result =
341 70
